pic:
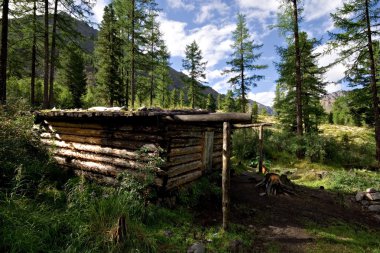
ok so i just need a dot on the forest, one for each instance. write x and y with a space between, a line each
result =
323 147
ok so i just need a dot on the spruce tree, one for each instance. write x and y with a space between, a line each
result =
242 62
196 67
255 112
211 104
108 50
229 102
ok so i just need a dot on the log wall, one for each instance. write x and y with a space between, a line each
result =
101 145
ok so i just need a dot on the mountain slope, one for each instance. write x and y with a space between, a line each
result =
328 100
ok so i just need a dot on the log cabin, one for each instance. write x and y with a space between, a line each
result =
176 146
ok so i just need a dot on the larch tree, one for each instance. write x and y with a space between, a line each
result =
242 62
358 26
196 67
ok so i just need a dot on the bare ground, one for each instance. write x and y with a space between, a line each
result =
281 220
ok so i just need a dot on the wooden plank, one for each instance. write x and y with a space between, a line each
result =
183 168
183 179
208 148
226 173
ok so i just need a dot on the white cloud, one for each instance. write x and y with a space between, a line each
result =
315 9
334 73
180 4
265 98
213 40
269 5
98 10
208 11
333 87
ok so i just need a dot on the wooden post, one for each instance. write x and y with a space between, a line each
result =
261 140
226 173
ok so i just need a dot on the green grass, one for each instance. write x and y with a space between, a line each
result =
341 237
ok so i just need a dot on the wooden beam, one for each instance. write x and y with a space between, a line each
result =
212 117
226 173
238 126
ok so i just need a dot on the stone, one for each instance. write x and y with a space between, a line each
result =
377 217
359 196
374 208
322 174
371 190
196 248
373 196
365 202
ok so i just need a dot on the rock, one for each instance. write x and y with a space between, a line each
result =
196 248
322 174
373 196
377 217
359 196
374 208
365 202
371 190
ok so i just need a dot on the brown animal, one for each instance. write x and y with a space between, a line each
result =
273 184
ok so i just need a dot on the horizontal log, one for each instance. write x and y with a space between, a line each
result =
133 145
119 162
115 134
212 117
105 169
100 168
183 168
217 154
122 153
184 151
99 178
183 179
218 147
185 134
185 142
238 126
187 159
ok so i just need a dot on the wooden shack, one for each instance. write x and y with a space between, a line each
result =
102 144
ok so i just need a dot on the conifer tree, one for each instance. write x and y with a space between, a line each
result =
242 62
4 52
255 112
195 66
357 22
182 101
211 104
229 102
108 50
313 86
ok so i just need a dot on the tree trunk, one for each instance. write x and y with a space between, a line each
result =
133 80
242 78
226 173
152 74
34 56
298 71
46 57
375 98
4 53
53 56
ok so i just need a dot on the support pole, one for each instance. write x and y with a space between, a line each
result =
261 142
226 173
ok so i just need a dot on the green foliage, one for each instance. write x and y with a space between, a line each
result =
194 64
312 88
229 103
211 104
255 112
242 62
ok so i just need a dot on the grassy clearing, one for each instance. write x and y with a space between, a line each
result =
341 237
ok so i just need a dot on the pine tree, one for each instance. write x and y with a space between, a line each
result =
194 64
108 51
182 101
219 102
174 98
242 62
358 22
313 86
229 102
73 74
4 53
211 104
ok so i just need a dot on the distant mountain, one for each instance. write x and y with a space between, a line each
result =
178 83
328 100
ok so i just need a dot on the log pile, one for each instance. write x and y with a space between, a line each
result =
102 144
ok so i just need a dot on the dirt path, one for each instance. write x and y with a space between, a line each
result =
281 220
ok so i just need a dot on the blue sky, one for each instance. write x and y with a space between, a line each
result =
211 22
